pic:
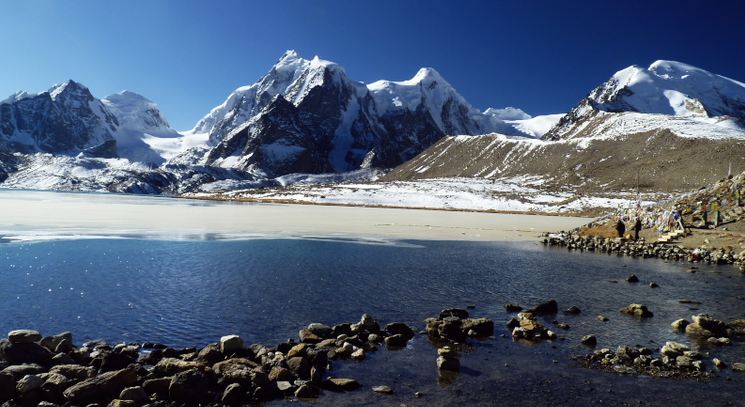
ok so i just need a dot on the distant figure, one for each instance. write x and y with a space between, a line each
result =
620 227
704 213
715 211
738 194
678 220
637 227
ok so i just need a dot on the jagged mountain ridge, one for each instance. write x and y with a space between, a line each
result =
346 125
665 88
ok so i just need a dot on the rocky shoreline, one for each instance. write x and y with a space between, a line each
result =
51 371
641 248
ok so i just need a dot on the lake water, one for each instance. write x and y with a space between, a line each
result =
189 293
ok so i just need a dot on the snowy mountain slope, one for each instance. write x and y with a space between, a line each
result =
536 126
341 125
664 88
141 128
66 119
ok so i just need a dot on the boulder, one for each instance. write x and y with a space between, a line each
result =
445 363
704 325
738 367
171 366
28 383
673 349
454 312
367 324
18 371
478 327
235 368
210 354
396 341
158 386
279 373
382 389
7 386
321 330
306 336
637 310
573 310
25 352
679 325
589 340
512 308
230 344
340 384
74 372
632 279
306 391
299 366
189 387
234 394
399 328
52 342
24 336
107 385
136 394
549 307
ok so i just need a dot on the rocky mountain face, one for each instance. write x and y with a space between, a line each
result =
308 116
664 89
66 120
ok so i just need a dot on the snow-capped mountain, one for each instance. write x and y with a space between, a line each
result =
309 116
665 88
66 119
141 128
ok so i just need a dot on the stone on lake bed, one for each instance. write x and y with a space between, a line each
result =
546 308
573 310
24 336
637 310
445 363
513 308
321 330
679 325
633 279
738 367
230 343
672 349
454 312
602 318
306 391
719 363
589 340
339 383
382 389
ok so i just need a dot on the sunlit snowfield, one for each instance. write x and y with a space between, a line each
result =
189 293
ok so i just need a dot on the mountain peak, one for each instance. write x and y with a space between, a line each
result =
69 87
426 75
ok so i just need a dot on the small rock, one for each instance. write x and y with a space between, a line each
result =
454 312
321 330
382 389
234 394
24 336
285 386
563 326
589 340
189 386
719 364
136 394
679 325
573 310
633 279
28 383
230 344
738 367
673 349
108 384
399 328
602 318
359 354
637 310
653 285
549 307
513 308
338 383
306 391
451 364
306 336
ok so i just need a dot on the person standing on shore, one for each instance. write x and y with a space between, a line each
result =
704 212
738 194
620 227
715 211
637 227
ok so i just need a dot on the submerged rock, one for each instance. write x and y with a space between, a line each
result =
637 310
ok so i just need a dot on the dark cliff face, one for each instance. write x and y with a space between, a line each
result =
66 120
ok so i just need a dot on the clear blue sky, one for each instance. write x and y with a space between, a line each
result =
542 56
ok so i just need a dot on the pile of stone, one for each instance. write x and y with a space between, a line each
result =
637 310
640 248
526 325
36 370
453 325
673 360
716 332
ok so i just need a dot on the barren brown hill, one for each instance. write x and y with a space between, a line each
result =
662 161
